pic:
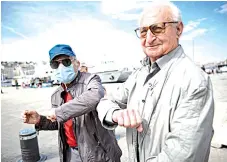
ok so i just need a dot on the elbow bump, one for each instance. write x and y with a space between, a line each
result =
99 94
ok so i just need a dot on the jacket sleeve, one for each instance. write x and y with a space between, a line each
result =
116 100
46 124
84 103
191 128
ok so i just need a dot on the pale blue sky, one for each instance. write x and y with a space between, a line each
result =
93 29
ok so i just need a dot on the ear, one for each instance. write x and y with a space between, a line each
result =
78 63
179 30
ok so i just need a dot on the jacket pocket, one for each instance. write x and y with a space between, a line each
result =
95 153
98 142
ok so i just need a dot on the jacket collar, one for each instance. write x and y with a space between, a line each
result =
166 58
162 60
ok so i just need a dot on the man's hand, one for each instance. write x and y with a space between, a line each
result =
128 118
51 115
30 117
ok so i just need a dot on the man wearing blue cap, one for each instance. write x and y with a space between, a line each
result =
73 113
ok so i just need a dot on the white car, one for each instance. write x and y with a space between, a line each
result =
223 69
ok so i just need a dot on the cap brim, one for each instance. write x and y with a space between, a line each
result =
57 54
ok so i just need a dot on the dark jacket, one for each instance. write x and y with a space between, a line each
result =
95 143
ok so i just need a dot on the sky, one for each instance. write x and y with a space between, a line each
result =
101 30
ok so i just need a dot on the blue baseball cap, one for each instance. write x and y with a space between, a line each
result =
61 49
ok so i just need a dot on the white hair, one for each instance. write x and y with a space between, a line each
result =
154 9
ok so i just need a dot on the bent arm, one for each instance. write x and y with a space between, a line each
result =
46 124
82 104
191 129
116 101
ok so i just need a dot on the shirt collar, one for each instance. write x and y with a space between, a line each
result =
163 60
166 58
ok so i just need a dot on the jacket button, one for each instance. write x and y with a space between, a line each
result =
143 101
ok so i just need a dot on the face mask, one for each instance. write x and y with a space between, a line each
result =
65 74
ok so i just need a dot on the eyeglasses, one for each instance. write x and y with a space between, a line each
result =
65 62
155 29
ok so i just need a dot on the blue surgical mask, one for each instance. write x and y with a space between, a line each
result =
65 74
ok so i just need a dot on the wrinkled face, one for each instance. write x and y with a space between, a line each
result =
159 35
65 61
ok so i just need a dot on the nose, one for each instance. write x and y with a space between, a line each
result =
60 62
60 65
150 37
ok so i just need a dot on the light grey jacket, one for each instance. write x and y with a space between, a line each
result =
176 106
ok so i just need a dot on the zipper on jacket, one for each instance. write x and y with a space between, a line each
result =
99 143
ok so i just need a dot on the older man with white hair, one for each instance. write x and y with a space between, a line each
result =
166 105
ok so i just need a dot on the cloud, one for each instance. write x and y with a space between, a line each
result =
120 9
193 24
90 44
15 32
90 37
222 9
195 33
122 16
191 30
113 7
203 52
